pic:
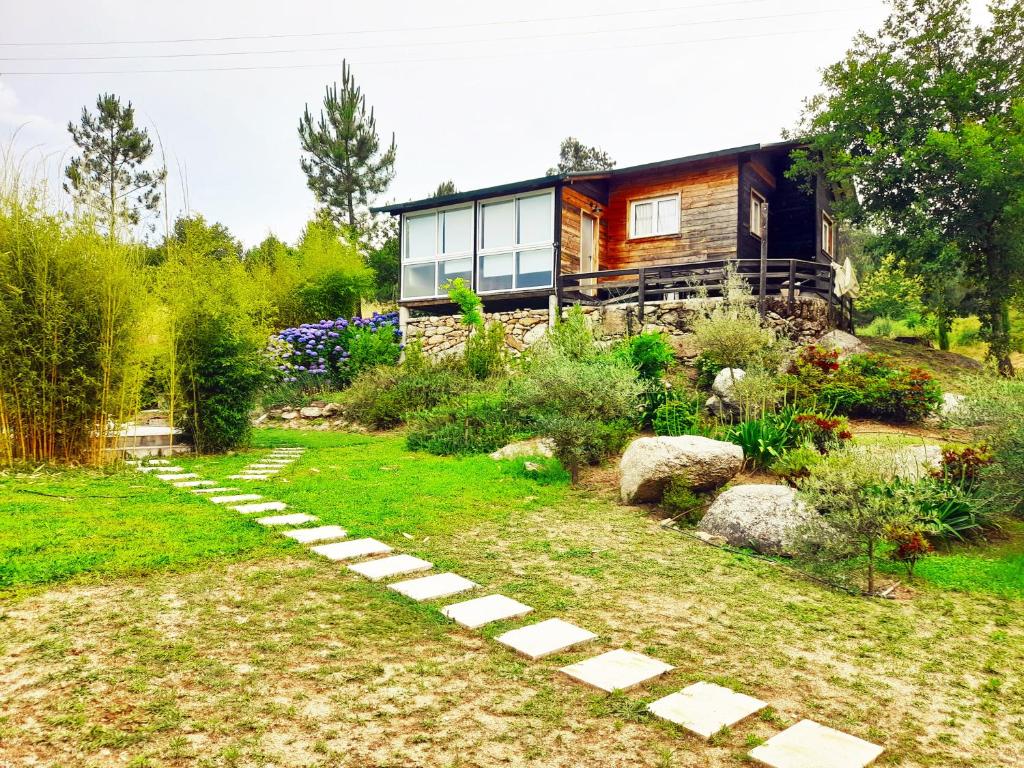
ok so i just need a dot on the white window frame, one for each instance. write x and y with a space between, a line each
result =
631 223
515 248
439 257
828 235
755 220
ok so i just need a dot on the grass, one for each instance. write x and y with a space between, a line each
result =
269 655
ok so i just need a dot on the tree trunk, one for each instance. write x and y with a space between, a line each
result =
998 311
944 322
871 566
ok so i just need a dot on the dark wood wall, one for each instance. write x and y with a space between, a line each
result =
574 201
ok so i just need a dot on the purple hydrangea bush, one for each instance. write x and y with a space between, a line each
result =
332 352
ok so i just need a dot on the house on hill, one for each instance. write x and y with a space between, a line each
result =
634 244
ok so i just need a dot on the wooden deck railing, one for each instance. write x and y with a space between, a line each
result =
788 278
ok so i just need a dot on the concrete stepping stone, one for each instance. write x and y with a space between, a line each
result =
158 463
310 535
811 745
433 587
178 476
249 477
159 469
266 506
219 489
279 463
267 467
193 483
346 550
239 497
545 638
617 670
296 519
396 565
473 614
705 708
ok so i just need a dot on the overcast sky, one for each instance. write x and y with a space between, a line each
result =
478 93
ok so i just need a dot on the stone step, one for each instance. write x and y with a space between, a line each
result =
385 567
347 550
266 506
705 708
811 745
220 489
240 497
249 477
617 670
159 469
169 476
545 638
296 519
473 614
194 483
433 587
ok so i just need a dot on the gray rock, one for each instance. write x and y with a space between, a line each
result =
763 517
289 415
535 334
650 463
311 412
331 409
952 405
540 446
846 343
725 383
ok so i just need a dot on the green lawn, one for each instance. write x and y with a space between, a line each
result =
177 633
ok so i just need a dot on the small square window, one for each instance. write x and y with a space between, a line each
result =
654 217
758 206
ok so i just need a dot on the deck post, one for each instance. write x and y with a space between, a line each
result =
831 290
762 290
640 291
554 310
792 285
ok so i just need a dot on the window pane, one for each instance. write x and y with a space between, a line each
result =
418 280
668 216
453 268
498 221
534 268
535 224
643 219
496 272
419 237
457 231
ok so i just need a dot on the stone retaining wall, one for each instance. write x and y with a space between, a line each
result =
445 334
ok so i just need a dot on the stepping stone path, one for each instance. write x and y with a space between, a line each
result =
545 638
473 614
266 506
433 587
617 670
240 497
705 708
810 745
702 708
347 550
296 519
384 567
310 535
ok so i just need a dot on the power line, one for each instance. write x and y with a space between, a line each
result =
334 64
335 49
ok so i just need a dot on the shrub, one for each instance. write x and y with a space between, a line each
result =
909 545
796 464
826 433
758 392
649 353
477 422
221 376
485 353
963 464
766 439
571 336
682 503
683 416
541 469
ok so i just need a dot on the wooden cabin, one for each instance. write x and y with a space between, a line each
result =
658 231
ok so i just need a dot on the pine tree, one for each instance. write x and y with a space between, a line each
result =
445 188
343 162
108 176
574 155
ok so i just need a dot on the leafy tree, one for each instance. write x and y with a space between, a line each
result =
343 160
108 177
270 252
890 292
445 188
212 240
574 155
923 119
384 262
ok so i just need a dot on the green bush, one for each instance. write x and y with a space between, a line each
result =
548 471
649 353
682 503
477 422
572 336
766 439
222 373
796 464
485 353
682 416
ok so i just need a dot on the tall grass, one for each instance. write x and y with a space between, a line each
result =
70 300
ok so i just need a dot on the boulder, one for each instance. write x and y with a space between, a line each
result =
725 382
952 405
650 463
331 409
540 446
762 517
916 461
289 415
311 412
535 334
846 343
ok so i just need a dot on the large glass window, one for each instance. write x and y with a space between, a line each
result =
516 243
437 247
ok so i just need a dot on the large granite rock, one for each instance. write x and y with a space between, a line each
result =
650 463
763 517
540 446
846 343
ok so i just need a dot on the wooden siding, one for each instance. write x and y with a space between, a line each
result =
708 202
573 203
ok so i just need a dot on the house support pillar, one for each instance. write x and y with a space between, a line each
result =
552 310
403 325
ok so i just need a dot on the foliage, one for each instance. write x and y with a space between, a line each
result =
924 120
680 416
107 177
72 319
849 490
825 433
343 162
485 352
796 464
574 155
758 392
963 464
383 261
445 188
335 350
572 336
682 503
766 439
909 545
891 292
649 353
476 422
467 301
943 510
213 241
540 469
